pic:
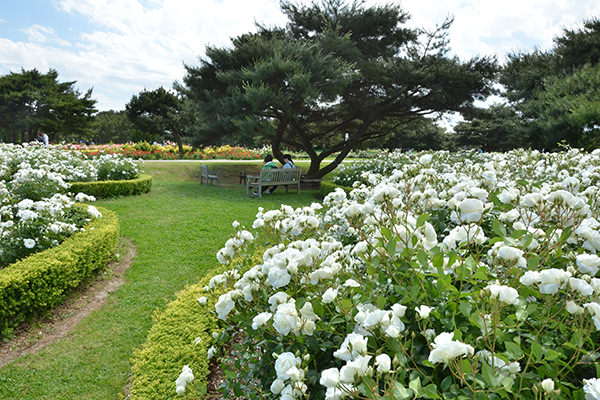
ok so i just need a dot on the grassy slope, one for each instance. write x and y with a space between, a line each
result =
178 227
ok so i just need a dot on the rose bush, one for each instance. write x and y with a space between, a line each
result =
35 211
453 276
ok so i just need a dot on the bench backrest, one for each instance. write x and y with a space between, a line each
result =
203 170
280 175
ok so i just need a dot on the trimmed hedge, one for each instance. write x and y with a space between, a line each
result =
43 280
171 344
328 187
104 189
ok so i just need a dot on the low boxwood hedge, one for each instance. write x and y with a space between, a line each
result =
43 280
171 344
104 189
328 187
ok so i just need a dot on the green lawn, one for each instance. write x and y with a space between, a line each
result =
178 228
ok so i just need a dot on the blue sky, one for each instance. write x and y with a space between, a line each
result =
120 47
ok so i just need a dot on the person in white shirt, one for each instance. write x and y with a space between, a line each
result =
45 138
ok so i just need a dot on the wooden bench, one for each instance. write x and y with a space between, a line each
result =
209 175
273 177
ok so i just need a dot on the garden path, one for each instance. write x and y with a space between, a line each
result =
177 228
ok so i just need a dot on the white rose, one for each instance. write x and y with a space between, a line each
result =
261 319
591 388
308 312
330 377
510 253
398 310
584 288
446 349
278 277
29 243
329 295
503 293
224 305
548 385
470 210
383 363
286 319
277 386
351 283
574 308
588 263
184 378
529 278
284 363
423 311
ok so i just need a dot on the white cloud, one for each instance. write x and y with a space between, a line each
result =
135 44
44 34
489 27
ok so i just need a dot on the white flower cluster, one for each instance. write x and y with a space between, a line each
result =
185 377
503 234
34 212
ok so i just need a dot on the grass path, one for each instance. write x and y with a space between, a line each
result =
177 228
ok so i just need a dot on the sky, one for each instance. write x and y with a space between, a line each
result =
121 47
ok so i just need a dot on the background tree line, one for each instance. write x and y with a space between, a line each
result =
338 76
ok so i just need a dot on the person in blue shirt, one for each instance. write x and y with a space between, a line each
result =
287 161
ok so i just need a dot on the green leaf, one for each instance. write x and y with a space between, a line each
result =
513 350
422 258
465 308
438 261
381 302
566 233
489 376
415 385
318 307
552 355
522 182
237 390
400 392
422 218
498 228
346 304
430 392
537 350
533 262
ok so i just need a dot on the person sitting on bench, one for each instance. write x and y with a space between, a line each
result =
287 163
268 164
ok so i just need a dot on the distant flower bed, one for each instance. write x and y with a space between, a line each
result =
450 276
35 211
147 151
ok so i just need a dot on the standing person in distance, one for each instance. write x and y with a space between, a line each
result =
45 138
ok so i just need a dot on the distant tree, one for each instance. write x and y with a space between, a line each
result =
552 96
524 73
158 113
421 134
567 110
335 69
497 128
111 126
31 101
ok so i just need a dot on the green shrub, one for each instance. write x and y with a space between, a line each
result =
104 189
328 187
43 280
171 344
